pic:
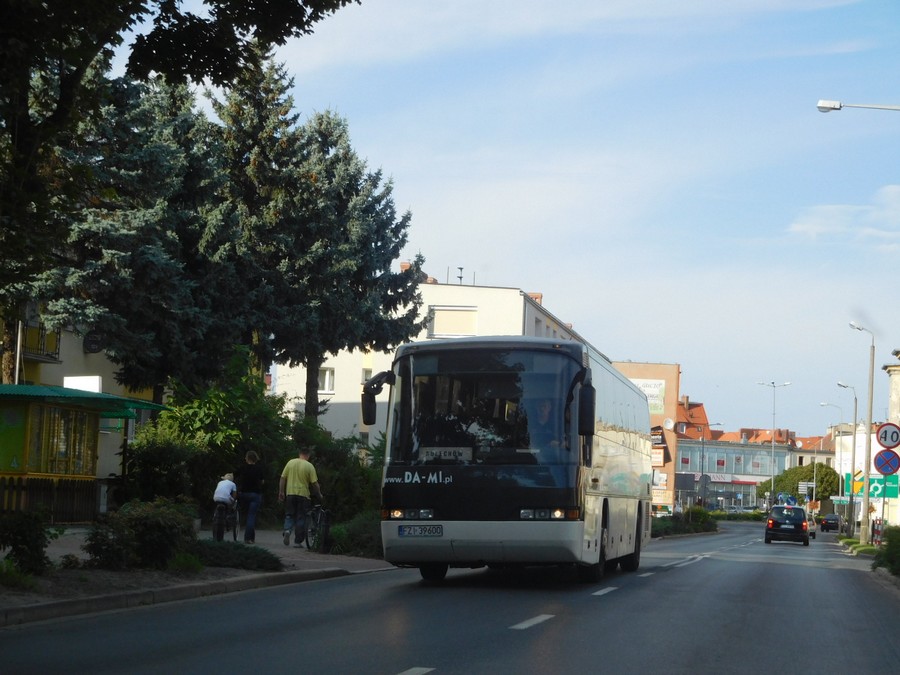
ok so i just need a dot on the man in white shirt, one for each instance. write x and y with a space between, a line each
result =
226 490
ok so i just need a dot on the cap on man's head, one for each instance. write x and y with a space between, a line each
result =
228 476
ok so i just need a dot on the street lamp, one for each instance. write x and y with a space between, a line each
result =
864 517
841 412
851 524
774 387
703 460
828 106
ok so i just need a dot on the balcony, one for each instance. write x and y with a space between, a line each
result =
41 344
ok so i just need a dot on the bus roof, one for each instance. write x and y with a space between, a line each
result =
571 347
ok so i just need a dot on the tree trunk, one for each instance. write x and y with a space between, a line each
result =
311 404
8 352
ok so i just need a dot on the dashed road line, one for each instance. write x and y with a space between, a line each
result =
540 618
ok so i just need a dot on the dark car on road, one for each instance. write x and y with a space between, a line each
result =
830 523
787 523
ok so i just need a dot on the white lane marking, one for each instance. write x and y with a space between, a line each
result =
691 561
674 562
416 671
646 574
604 591
540 618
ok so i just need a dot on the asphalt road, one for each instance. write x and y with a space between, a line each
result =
701 604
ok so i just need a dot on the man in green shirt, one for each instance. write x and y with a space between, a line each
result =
298 483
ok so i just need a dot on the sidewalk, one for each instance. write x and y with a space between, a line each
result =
293 558
299 565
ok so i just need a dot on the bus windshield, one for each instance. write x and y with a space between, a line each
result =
484 406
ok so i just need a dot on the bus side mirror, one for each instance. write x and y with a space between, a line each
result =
371 389
368 408
586 405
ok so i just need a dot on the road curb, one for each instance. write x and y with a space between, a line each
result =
14 616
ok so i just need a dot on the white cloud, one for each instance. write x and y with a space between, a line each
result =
878 222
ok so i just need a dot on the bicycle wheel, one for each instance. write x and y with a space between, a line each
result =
310 529
314 530
218 524
234 517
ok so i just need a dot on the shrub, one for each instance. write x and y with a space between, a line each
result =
888 556
234 554
26 535
111 545
360 536
70 562
161 528
147 534
12 577
695 519
185 562
158 462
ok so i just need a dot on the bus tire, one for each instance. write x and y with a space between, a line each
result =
632 561
433 571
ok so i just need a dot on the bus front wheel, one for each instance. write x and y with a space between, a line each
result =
433 571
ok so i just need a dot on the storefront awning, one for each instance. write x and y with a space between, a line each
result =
107 405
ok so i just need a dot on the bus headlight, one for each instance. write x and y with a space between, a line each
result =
410 514
548 514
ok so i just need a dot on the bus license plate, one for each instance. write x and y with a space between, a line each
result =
420 530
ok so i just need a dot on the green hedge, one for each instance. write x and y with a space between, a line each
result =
888 555
695 519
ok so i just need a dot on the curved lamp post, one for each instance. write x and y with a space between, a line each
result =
829 106
864 516
772 486
851 521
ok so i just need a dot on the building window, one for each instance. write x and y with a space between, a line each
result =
366 375
326 380
63 441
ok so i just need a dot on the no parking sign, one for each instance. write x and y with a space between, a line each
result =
887 462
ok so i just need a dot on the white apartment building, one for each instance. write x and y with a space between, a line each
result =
456 311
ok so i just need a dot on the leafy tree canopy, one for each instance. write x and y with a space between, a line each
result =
47 51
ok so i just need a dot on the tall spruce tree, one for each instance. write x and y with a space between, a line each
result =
265 238
133 268
315 233
47 50
358 301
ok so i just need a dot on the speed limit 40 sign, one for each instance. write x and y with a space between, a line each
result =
888 435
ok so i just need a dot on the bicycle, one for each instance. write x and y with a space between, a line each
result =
318 522
225 519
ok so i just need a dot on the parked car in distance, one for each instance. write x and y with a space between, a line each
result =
787 523
831 522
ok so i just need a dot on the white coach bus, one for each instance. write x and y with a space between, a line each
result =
507 451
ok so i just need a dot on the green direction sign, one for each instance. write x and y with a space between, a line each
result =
879 486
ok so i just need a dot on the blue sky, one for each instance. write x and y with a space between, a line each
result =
658 170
